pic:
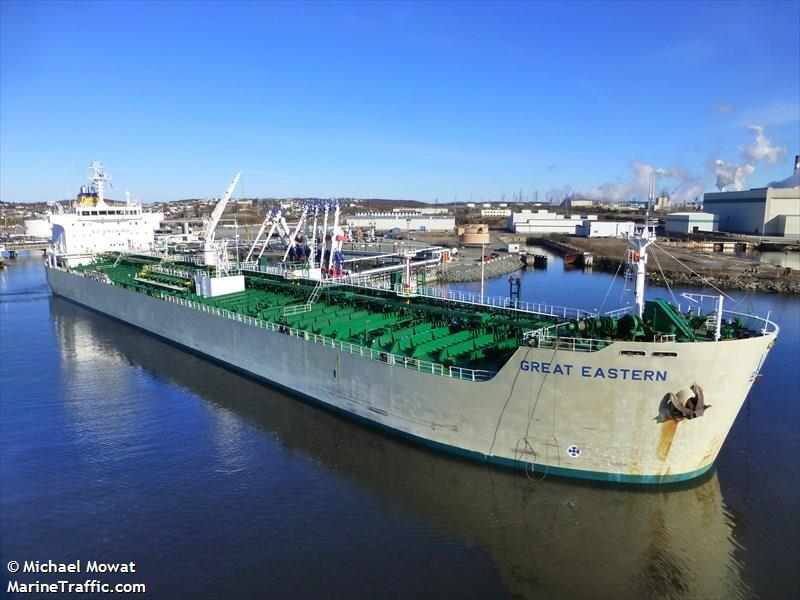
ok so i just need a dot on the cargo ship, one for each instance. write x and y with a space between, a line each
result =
643 394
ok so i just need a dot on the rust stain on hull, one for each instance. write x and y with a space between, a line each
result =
668 429
713 450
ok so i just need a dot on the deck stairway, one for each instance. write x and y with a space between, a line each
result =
296 309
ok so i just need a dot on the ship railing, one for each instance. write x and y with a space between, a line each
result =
573 344
754 322
165 257
257 268
503 302
171 271
372 282
296 270
664 338
147 253
547 331
619 312
97 276
363 351
547 337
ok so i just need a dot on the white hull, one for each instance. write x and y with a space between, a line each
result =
575 421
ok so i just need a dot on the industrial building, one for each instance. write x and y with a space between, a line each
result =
495 212
422 211
573 203
661 203
544 221
404 221
760 211
594 228
691 222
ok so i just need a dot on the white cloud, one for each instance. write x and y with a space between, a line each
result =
723 108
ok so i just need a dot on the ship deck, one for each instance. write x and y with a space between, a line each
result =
420 329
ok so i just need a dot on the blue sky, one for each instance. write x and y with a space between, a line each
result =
408 100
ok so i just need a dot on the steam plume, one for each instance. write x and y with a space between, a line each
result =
792 180
762 149
733 175
681 184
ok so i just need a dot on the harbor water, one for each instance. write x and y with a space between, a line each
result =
118 447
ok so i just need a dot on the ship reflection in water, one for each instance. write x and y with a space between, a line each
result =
272 469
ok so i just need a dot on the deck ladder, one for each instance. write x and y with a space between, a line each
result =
296 309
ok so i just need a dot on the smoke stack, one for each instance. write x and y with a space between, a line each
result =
796 164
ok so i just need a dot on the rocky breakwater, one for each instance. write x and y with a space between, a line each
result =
471 271
745 283
773 280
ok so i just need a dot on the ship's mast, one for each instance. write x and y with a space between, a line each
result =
640 243
98 179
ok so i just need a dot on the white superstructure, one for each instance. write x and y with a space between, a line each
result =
95 226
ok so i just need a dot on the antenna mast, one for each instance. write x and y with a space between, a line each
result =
99 178
640 242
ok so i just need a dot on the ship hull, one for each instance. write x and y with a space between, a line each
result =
595 415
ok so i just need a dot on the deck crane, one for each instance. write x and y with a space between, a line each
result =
293 238
268 219
312 240
209 249
337 236
277 224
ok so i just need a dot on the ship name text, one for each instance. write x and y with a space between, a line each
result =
547 368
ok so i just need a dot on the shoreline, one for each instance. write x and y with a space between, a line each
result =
737 281
726 272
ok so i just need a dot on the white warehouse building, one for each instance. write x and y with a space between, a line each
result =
691 222
410 221
593 228
544 221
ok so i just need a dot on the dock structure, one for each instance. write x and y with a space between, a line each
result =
12 248
573 255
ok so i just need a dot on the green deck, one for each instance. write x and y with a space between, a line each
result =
425 329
